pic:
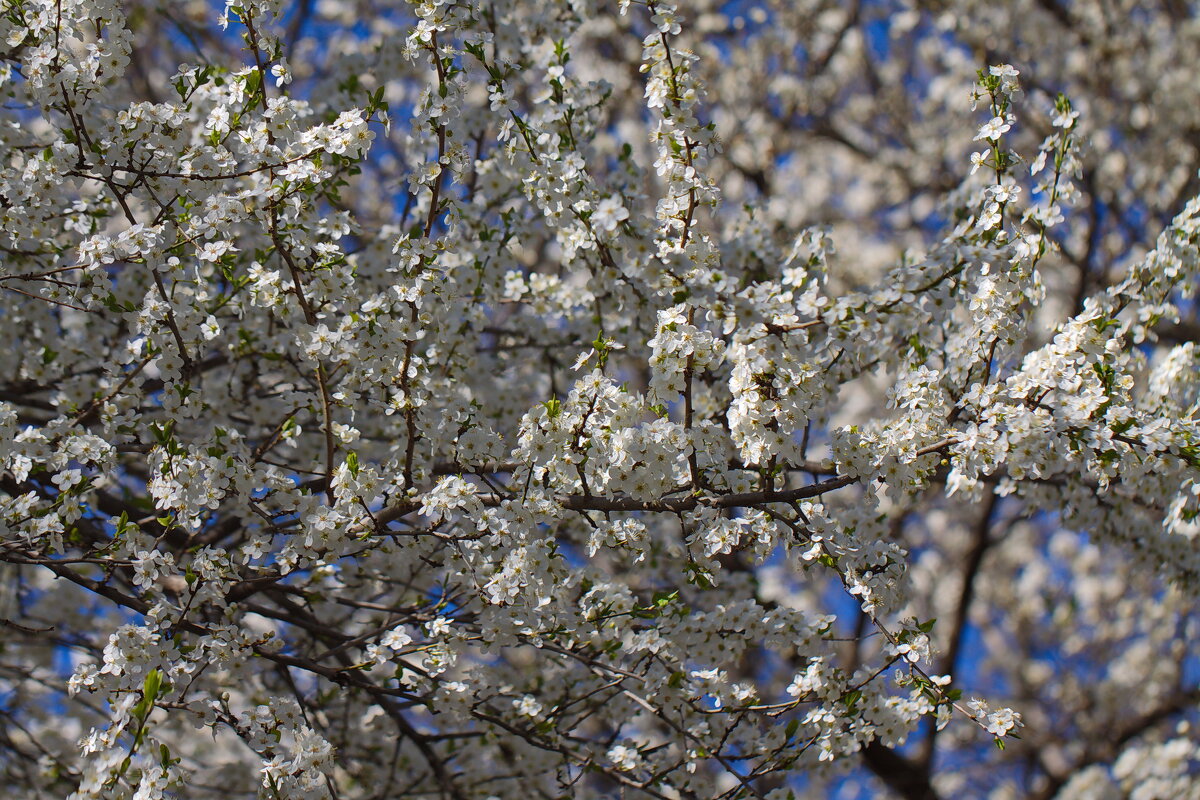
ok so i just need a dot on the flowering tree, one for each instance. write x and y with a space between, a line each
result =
557 398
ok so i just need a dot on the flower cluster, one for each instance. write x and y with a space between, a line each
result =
485 400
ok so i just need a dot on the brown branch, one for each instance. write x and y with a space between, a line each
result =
901 775
974 560
673 505
1109 750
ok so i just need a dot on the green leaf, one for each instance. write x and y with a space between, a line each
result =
253 84
152 684
664 598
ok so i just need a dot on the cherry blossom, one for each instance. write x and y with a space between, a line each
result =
491 400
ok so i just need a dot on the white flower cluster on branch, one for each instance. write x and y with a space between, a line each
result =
492 399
